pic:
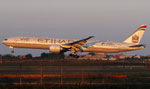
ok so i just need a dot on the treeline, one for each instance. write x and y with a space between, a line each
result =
62 56
135 58
29 56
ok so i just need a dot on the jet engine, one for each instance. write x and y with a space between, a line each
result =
55 48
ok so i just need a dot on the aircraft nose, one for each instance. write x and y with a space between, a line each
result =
4 42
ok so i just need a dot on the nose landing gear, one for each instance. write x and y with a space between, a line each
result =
12 49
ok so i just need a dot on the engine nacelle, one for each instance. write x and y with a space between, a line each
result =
55 48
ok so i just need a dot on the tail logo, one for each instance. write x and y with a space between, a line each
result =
135 39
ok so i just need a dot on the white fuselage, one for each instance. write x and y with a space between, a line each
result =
45 43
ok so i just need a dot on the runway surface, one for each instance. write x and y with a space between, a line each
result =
73 69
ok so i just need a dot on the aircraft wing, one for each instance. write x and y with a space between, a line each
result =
75 46
79 42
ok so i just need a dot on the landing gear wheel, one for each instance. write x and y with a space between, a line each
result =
12 51
75 56
71 55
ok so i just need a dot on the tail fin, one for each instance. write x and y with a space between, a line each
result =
136 36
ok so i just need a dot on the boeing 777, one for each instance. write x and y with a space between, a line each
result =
83 45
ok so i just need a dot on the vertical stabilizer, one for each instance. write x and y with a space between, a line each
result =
136 36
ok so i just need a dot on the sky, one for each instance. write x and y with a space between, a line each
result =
107 20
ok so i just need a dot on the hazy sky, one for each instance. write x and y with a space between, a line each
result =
108 20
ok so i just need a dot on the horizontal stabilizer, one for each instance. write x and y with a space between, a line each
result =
141 45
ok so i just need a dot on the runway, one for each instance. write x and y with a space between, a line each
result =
61 73
72 69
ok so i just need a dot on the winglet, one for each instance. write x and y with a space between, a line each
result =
91 37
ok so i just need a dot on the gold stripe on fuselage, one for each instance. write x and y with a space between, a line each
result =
28 45
109 50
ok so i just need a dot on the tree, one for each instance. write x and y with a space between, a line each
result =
29 56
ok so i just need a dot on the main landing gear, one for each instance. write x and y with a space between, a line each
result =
74 55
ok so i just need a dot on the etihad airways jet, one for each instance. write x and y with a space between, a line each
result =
83 45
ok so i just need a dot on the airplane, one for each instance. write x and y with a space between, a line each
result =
75 46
